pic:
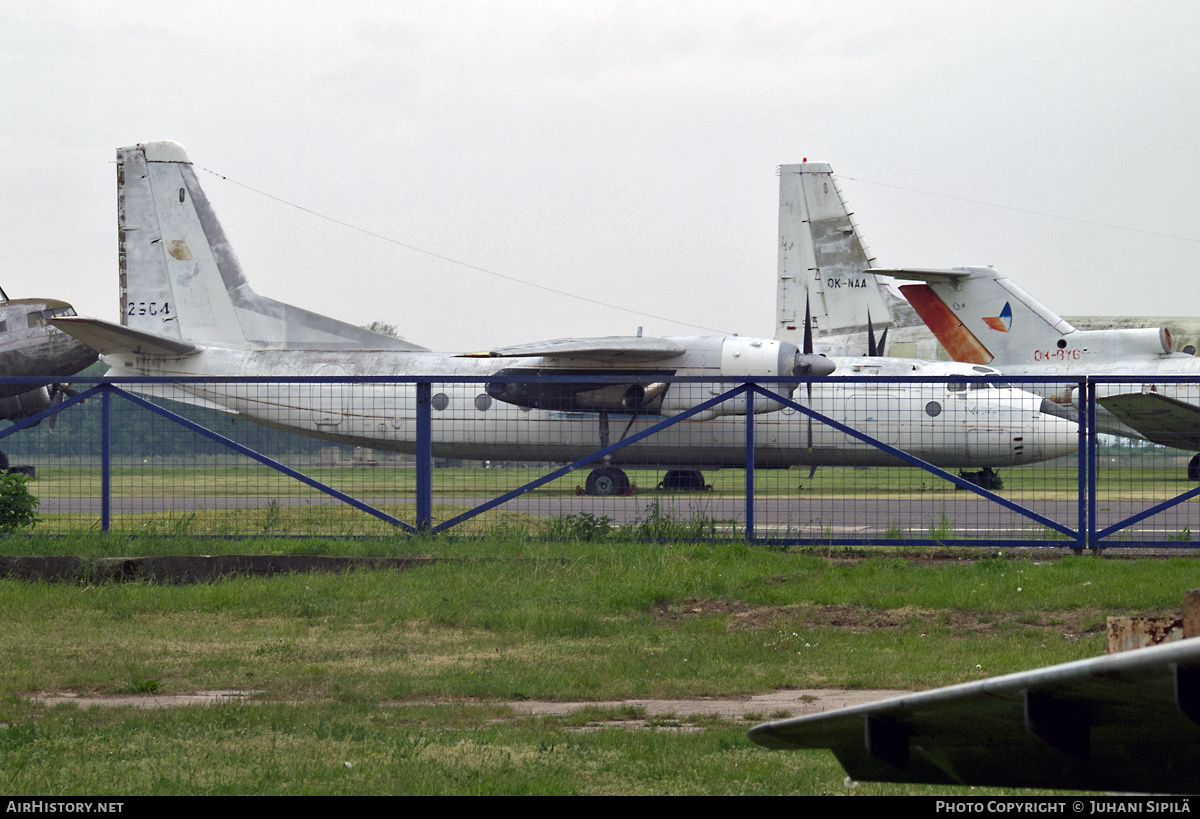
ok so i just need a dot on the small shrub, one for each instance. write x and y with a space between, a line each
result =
18 506
660 523
584 526
942 530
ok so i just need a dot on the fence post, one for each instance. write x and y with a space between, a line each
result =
105 456
1081 468
1091 465
750 462
424 456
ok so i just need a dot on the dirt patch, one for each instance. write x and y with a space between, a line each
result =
795 702
760 707
190 568
696 607
860 618
145 700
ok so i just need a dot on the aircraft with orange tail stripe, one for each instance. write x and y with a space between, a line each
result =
977 316
983 318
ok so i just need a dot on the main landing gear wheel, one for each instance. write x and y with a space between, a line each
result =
683 480
607 481
1194 468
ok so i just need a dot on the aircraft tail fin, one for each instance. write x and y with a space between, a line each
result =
981 317
180 278
822 260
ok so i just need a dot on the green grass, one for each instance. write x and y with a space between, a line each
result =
625 620
341 664
341 749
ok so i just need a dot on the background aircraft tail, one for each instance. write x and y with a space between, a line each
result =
181 279
822 260
983 318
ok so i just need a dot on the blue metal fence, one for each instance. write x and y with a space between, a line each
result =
1138 497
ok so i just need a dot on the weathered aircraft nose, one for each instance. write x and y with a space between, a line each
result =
1059 430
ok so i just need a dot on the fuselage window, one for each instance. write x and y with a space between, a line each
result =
933 409
440 401
483 401
36 320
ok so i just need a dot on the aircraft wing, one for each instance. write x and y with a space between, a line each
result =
625 348
1159 418
107 338
1122 722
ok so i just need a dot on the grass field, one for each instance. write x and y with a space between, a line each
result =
404 675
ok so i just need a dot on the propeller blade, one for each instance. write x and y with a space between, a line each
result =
57 393
808 340
872 351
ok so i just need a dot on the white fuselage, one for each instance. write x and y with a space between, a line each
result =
972 425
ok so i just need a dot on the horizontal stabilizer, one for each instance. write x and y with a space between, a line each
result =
920 274
625 348
107 338
1122 722
1159 418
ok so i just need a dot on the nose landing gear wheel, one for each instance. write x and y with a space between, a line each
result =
607 481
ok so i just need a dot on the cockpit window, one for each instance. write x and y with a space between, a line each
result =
956 386
36 320
58 311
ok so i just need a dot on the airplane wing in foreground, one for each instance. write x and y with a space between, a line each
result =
1159 418
1122 722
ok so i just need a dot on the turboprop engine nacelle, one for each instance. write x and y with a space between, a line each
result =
746 358
20 407
646 391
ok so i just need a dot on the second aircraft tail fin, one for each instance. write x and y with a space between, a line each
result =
981 317
181 279
823 262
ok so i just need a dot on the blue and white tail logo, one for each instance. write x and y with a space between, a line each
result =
1002 322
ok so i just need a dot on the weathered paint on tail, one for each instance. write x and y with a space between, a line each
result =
180 278
981 317
822 260
945 326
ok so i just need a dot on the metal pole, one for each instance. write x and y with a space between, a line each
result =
105 456
1081 458
424 456
1091 456
749 463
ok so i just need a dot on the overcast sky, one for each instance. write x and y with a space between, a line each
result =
624 152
